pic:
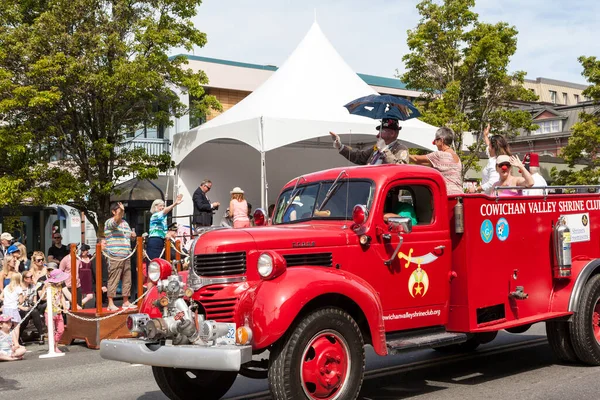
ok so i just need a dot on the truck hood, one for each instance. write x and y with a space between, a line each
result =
298 236
224 240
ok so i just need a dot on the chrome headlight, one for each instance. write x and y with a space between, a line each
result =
154 271
265 265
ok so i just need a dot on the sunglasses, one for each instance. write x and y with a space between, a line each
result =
57 237
27 277
39 259
504 164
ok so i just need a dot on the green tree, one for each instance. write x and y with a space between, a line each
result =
584 142
78 78
461 66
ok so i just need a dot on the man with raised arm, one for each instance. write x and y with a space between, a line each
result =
387 150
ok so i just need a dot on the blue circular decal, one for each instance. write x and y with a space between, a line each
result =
502 229
487 231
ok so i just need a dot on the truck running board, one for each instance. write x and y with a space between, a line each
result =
421 339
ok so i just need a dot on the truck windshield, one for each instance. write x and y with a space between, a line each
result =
307 198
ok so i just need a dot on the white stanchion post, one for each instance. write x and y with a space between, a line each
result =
51 345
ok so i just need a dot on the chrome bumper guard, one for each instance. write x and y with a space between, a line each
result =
214 358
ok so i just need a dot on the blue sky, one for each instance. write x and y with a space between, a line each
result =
371 36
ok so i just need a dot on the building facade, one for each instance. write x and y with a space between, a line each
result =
556 92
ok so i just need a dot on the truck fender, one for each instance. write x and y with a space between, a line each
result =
272 306
589 269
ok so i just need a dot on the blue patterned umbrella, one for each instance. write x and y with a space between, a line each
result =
379 106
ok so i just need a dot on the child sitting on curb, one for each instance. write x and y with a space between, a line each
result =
10 350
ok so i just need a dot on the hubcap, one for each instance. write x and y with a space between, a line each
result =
596 321
325 366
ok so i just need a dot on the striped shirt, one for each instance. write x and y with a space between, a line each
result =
117 238
158 225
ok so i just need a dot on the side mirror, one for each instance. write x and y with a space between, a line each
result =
400 224
260 217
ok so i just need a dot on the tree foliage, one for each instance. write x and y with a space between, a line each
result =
78 78
461 66
584 142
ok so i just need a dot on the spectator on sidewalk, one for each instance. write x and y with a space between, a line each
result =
57 251
38 265
158 226
13 298
28 313
65 266
8 270
203 208
5 242
24 263
85 274
10 350
118 236
238 208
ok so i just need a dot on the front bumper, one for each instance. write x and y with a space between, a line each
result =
214 358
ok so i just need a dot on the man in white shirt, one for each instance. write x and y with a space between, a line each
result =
532 163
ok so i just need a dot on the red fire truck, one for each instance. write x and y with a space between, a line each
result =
377 255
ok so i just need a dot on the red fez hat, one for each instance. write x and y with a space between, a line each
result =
533 158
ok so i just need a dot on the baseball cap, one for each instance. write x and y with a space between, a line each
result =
6 236
51 265
12 249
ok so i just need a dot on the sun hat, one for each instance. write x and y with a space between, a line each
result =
502 159
5 318
12 249
57 276
237 189
6 236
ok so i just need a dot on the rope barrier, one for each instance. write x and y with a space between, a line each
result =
120 259
27 315
106 317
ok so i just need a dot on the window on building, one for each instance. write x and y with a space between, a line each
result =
547 127
565 98
576 97
553 96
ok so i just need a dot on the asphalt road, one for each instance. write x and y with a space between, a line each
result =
515 367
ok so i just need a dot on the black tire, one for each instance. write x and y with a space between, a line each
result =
337 337
187 384
559 338
587 320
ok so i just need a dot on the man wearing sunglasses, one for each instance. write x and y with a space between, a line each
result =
203 208
57 251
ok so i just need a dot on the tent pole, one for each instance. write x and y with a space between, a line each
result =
263 186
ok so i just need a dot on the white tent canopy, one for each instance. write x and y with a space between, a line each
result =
303 100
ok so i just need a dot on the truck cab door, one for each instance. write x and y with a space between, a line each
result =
414 284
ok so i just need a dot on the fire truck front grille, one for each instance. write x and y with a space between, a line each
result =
220 264
314 259
220 310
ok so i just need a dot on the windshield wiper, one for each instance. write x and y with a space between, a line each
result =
331 190
293 196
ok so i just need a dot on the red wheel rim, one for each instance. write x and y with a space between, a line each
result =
325 366
596 321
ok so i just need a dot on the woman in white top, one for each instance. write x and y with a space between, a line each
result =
496 145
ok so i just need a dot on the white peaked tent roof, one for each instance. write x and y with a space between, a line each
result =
303 99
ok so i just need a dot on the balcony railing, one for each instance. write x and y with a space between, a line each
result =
152 146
